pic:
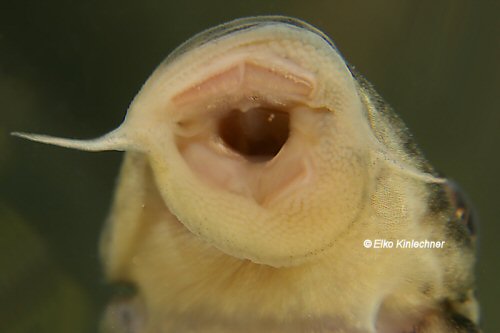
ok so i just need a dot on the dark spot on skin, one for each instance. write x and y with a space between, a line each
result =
450 200
462 298
458 323
438 200
427 289
444 320
463 324
464 212
457 232
462 223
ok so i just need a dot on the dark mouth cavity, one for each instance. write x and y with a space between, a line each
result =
259 132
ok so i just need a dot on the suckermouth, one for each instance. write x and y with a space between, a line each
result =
260 172
247 129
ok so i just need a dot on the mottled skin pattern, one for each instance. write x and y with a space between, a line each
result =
448 205
275 244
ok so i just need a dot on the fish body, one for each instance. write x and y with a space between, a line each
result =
263 185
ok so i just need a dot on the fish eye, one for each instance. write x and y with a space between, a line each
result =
464 212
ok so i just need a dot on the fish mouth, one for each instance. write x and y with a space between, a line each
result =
248 129
257 134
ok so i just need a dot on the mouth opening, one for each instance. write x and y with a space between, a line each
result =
259 132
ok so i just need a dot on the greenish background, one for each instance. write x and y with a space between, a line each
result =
70 68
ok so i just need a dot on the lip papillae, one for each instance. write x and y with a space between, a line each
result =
241 130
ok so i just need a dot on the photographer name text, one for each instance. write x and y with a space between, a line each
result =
402 244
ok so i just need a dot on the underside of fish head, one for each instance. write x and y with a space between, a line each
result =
258 142
257 164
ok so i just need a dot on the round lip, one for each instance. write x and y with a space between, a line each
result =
200 63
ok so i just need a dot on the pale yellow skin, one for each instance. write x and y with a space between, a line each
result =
217 242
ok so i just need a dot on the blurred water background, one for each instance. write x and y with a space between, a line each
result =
70 68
